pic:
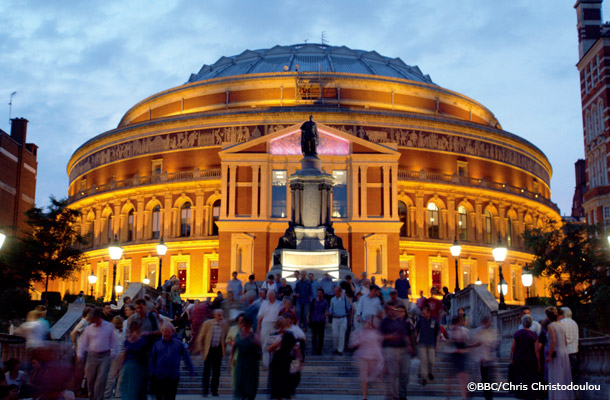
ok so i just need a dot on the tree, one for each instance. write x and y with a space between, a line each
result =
577 259
50 249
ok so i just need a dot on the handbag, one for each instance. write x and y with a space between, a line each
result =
295 366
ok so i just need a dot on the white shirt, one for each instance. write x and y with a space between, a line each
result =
297 332
269 312
98 339
269 287
536 328
368 307
571 328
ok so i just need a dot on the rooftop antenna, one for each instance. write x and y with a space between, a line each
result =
10 107
323 38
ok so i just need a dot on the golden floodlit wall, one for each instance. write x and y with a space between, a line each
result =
204 166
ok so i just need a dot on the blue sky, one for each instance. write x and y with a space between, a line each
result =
79 66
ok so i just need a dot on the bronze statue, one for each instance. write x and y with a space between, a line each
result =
309 138
289 239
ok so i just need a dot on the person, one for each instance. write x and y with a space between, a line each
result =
317 321
297 278
328 286
339 310
368 354
262 296
130 310
175 301
80 327
218 301
279 368
446 300
111 381
246 371
268 314
231 306
269 285
421 301
348 287
393 299
303 296
80 299
278 281
134 363
571 328
315 285
385 291
285 290
13 392
525 310
98 341
126 302
558 359
463 316
211 344
397 349
403 287
201 313
251 286
486 340
369 306
107 316
252 308
524 359
363 287
235 285
167 285
165 364
232 336
428 332
13 375
161 304
436 306
459 339
33 330
287 308
148 322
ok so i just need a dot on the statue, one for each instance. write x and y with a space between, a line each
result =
289 239
332 241
309 138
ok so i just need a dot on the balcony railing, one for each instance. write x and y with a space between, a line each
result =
136 180
437 177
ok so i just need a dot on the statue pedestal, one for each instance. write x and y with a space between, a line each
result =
317 262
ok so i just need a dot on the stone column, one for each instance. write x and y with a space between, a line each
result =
451 218
118 218
354 192
443 224
420 215
140 219
167 216
363 181
232 189
97 227
255 189
386 192
224 190
264 190
394 191
207 217
478 209
199 224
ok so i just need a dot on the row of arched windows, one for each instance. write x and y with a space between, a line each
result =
152 228
594 121
463 228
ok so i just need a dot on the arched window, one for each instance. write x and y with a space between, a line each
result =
185 219
600 110
487 226
215 217
156 222
403 216
463 223
130 225
595 121
509 232
433 223
588 129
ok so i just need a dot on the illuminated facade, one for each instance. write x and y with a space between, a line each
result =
205 165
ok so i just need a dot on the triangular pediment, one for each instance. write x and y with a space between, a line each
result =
287 142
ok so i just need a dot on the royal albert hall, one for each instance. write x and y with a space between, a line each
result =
205 167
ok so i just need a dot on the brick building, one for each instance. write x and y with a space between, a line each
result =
18 168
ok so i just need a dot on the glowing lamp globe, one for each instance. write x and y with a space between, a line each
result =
161 248
455 249
503 287
119 288
146 281
527 278
115 250
2 238
92 279
499 252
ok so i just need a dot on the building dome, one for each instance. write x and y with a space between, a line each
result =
310 58
206 166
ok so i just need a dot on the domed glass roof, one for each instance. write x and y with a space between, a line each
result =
310 58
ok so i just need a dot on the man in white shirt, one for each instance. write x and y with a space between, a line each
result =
269 285
571 328
369 306
98 341
268 314
339 310
536 328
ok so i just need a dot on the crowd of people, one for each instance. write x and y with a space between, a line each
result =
137 350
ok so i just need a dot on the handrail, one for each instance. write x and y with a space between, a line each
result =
137 180
437 177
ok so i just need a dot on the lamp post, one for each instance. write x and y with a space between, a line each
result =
499 254
146 281
161 250
92 279
116 252
119 288
2 238
527 279
455 252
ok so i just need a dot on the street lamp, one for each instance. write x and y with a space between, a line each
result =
527 279
2 238
146 281
455 252
161 250
499 254
92 279
119 288
116 252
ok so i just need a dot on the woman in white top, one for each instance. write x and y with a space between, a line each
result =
34 331
13 375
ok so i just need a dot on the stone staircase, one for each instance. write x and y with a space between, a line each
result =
338 375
